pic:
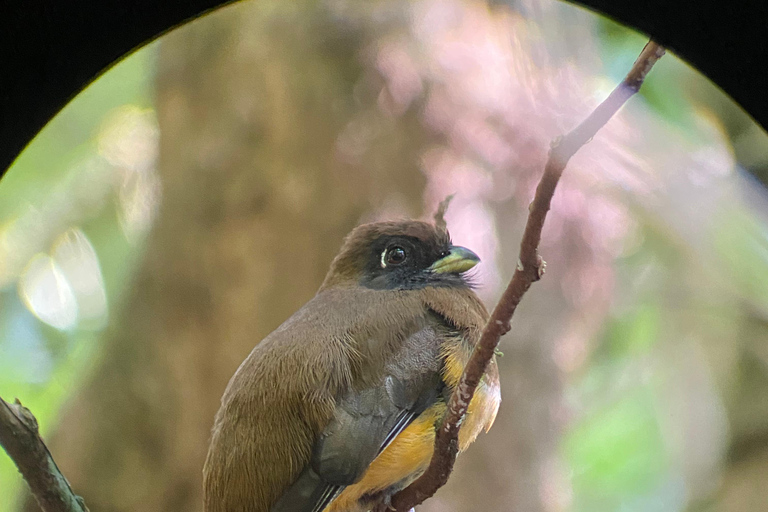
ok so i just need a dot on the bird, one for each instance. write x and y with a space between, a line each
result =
336 410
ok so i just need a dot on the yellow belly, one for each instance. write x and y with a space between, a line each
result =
410 452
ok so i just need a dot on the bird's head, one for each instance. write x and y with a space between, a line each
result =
400 255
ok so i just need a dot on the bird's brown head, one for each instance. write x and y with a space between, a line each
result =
402 255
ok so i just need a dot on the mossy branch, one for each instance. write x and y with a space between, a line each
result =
20 437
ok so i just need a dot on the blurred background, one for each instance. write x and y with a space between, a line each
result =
191 199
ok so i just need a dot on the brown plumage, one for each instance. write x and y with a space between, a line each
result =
336 409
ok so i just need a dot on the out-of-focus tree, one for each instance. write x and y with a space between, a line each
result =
257 193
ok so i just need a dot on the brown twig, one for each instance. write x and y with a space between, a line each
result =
20 438
530 268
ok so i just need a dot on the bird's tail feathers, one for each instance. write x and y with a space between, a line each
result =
309 493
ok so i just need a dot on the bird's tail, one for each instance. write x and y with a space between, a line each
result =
309 493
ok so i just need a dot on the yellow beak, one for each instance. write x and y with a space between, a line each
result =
459 259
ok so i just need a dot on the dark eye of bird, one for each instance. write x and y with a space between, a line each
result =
395 256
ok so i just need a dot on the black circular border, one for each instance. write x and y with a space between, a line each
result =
51 49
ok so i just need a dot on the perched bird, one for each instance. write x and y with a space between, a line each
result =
336 410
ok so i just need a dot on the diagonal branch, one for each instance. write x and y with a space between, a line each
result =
530 268
20 438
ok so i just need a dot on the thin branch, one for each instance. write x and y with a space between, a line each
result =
20 438
530 268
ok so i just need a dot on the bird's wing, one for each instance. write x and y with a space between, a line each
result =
364 423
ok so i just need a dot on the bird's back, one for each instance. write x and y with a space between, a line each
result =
284 394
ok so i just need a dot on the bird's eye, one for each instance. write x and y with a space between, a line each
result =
393 256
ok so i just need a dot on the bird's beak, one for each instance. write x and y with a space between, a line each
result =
459 259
